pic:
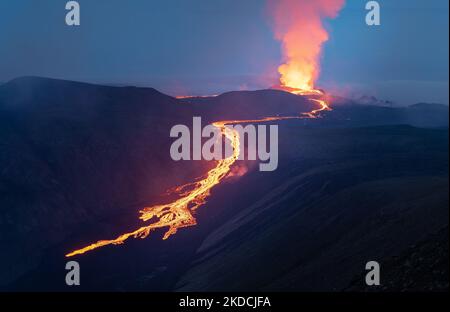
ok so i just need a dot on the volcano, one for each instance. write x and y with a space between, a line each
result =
362 182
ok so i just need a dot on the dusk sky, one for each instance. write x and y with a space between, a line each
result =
206 47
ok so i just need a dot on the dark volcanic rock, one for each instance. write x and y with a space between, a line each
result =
422 267
77 162
74 155
340 198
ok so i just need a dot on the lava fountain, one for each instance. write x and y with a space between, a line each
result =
298 24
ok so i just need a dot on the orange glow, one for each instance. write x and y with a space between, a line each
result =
179 213
315 113
298 25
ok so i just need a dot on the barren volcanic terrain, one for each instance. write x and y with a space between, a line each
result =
78 161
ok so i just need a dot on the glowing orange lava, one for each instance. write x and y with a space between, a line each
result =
179 213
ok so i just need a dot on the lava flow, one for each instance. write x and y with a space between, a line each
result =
298 24
179 213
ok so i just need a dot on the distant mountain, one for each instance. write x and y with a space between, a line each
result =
371 100
419 115
52 94
346 112
249 105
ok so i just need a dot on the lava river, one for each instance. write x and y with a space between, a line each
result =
180 213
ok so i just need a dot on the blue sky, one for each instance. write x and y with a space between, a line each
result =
211 46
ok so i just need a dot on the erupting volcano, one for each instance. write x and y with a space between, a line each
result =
298 24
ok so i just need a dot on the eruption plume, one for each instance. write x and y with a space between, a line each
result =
298 25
